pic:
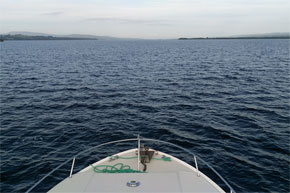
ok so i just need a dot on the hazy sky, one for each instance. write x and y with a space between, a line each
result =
146 18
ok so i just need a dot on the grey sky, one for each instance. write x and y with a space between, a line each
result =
146 18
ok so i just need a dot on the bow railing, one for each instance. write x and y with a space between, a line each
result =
138 139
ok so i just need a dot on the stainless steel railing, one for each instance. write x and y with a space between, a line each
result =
138 139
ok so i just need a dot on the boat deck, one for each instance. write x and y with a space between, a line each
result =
161 175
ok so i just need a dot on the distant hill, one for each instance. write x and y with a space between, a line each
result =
27 33
285 35
267 35
5 37
69 36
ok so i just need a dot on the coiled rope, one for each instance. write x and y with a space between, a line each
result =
120 167
117 168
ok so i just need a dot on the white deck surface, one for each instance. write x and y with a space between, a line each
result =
161 176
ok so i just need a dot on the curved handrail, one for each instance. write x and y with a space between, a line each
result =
82 152
208 165
125 140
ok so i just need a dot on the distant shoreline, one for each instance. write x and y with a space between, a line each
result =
235 38
21 37
26 37
2 40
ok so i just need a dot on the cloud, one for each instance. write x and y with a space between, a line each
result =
150 18
53 13
128 21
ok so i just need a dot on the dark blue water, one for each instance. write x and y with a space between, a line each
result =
225 100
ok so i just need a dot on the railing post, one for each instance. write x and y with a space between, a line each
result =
138 166
72 167
196 166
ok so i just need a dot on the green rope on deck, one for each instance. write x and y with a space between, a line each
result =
166 159
120 167
135 157
117 168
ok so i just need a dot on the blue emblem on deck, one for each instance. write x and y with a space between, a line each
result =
133 183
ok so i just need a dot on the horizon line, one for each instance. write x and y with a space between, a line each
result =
142 38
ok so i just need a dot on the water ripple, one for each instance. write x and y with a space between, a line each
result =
226 100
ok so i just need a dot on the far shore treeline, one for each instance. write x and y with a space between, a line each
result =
233 38
27 37
4 37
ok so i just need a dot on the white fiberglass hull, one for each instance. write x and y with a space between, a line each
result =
161 175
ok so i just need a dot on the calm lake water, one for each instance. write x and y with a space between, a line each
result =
225 100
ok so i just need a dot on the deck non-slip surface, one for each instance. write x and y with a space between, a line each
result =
154 182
